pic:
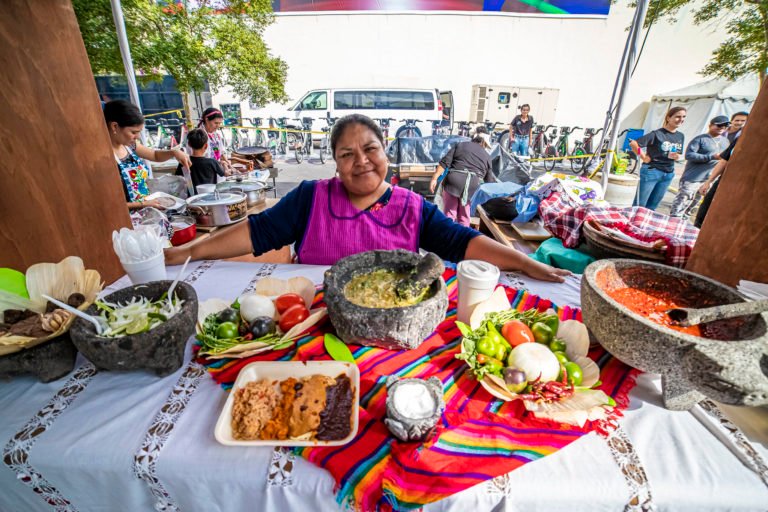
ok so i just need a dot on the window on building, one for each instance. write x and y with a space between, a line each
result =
504 98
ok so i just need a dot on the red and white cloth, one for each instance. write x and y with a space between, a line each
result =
564 220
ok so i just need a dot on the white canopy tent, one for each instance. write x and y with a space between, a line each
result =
704 101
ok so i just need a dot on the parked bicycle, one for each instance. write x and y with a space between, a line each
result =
585 147
596 163
438 128
541 140
304 140
496 136
561 149
325 142
464 128
409 129
259 133
280 141
383 124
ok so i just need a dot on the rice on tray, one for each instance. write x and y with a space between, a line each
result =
254 405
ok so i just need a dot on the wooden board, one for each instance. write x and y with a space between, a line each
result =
531 230
733 242
61 190
504 233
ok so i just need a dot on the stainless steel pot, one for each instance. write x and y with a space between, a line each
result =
255 191
219 208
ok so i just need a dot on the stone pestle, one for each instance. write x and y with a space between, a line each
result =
426 271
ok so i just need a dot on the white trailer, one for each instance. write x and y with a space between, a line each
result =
501 103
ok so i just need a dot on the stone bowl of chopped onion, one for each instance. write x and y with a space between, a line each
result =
145 330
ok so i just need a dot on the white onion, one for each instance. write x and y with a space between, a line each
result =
253 305
535 360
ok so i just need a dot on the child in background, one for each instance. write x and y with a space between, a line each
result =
203 169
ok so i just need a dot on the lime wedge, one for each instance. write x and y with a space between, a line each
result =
137 326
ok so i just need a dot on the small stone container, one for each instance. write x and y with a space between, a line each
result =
160 349
414 407
400 328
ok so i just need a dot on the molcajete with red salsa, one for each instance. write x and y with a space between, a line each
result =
651 296
624 304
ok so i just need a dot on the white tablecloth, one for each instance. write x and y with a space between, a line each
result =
105 441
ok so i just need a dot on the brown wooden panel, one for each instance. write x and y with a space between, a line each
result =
60 192
733 243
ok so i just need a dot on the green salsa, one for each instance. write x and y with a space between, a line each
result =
377 289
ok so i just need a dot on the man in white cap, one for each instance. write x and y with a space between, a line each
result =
701 156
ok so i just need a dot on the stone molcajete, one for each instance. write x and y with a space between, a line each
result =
732 370
413 407
395 328
160 349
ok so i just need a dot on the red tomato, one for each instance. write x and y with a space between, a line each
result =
516 333
287 300
292 316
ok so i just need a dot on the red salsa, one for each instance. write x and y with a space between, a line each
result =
653 307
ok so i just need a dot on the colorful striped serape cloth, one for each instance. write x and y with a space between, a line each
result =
478 437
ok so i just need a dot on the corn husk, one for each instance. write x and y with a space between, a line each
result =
58 280
498 301
576 338
274 287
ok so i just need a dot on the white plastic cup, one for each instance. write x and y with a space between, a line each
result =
206 188
145 271
477 280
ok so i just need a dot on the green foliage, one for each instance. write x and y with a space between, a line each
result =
215 41
745 51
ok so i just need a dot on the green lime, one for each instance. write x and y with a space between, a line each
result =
137 326
575 375
557 345
561 357
542 333
227 330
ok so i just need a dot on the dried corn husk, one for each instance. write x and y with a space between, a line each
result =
59 280
274 287
498 301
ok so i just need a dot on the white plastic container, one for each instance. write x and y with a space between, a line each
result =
206 188
146 271
621 189
477 280
278 371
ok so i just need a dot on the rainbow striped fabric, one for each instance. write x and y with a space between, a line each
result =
477 439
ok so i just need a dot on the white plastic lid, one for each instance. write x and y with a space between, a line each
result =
478 273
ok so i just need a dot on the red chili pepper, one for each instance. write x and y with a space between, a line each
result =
248 336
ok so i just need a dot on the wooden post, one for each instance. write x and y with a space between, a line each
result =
60 191
733 242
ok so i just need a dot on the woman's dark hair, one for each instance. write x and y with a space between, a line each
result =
478 139
210 114
525 105
197 138
123 112
673 111
345 122
745 114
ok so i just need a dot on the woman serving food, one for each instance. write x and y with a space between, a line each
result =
125 123
358 211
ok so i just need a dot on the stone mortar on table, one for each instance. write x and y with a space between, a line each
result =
399 328
160 349
405 427
692 367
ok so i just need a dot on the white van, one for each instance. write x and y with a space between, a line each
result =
423 105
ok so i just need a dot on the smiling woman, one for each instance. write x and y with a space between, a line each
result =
358 211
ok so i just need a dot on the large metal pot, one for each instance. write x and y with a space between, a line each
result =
255 191
218 209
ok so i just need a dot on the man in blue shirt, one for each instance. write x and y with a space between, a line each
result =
701 156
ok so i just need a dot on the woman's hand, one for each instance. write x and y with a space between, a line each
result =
544 272
674 156
182 158
704 188
153 203
177 255
432 185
